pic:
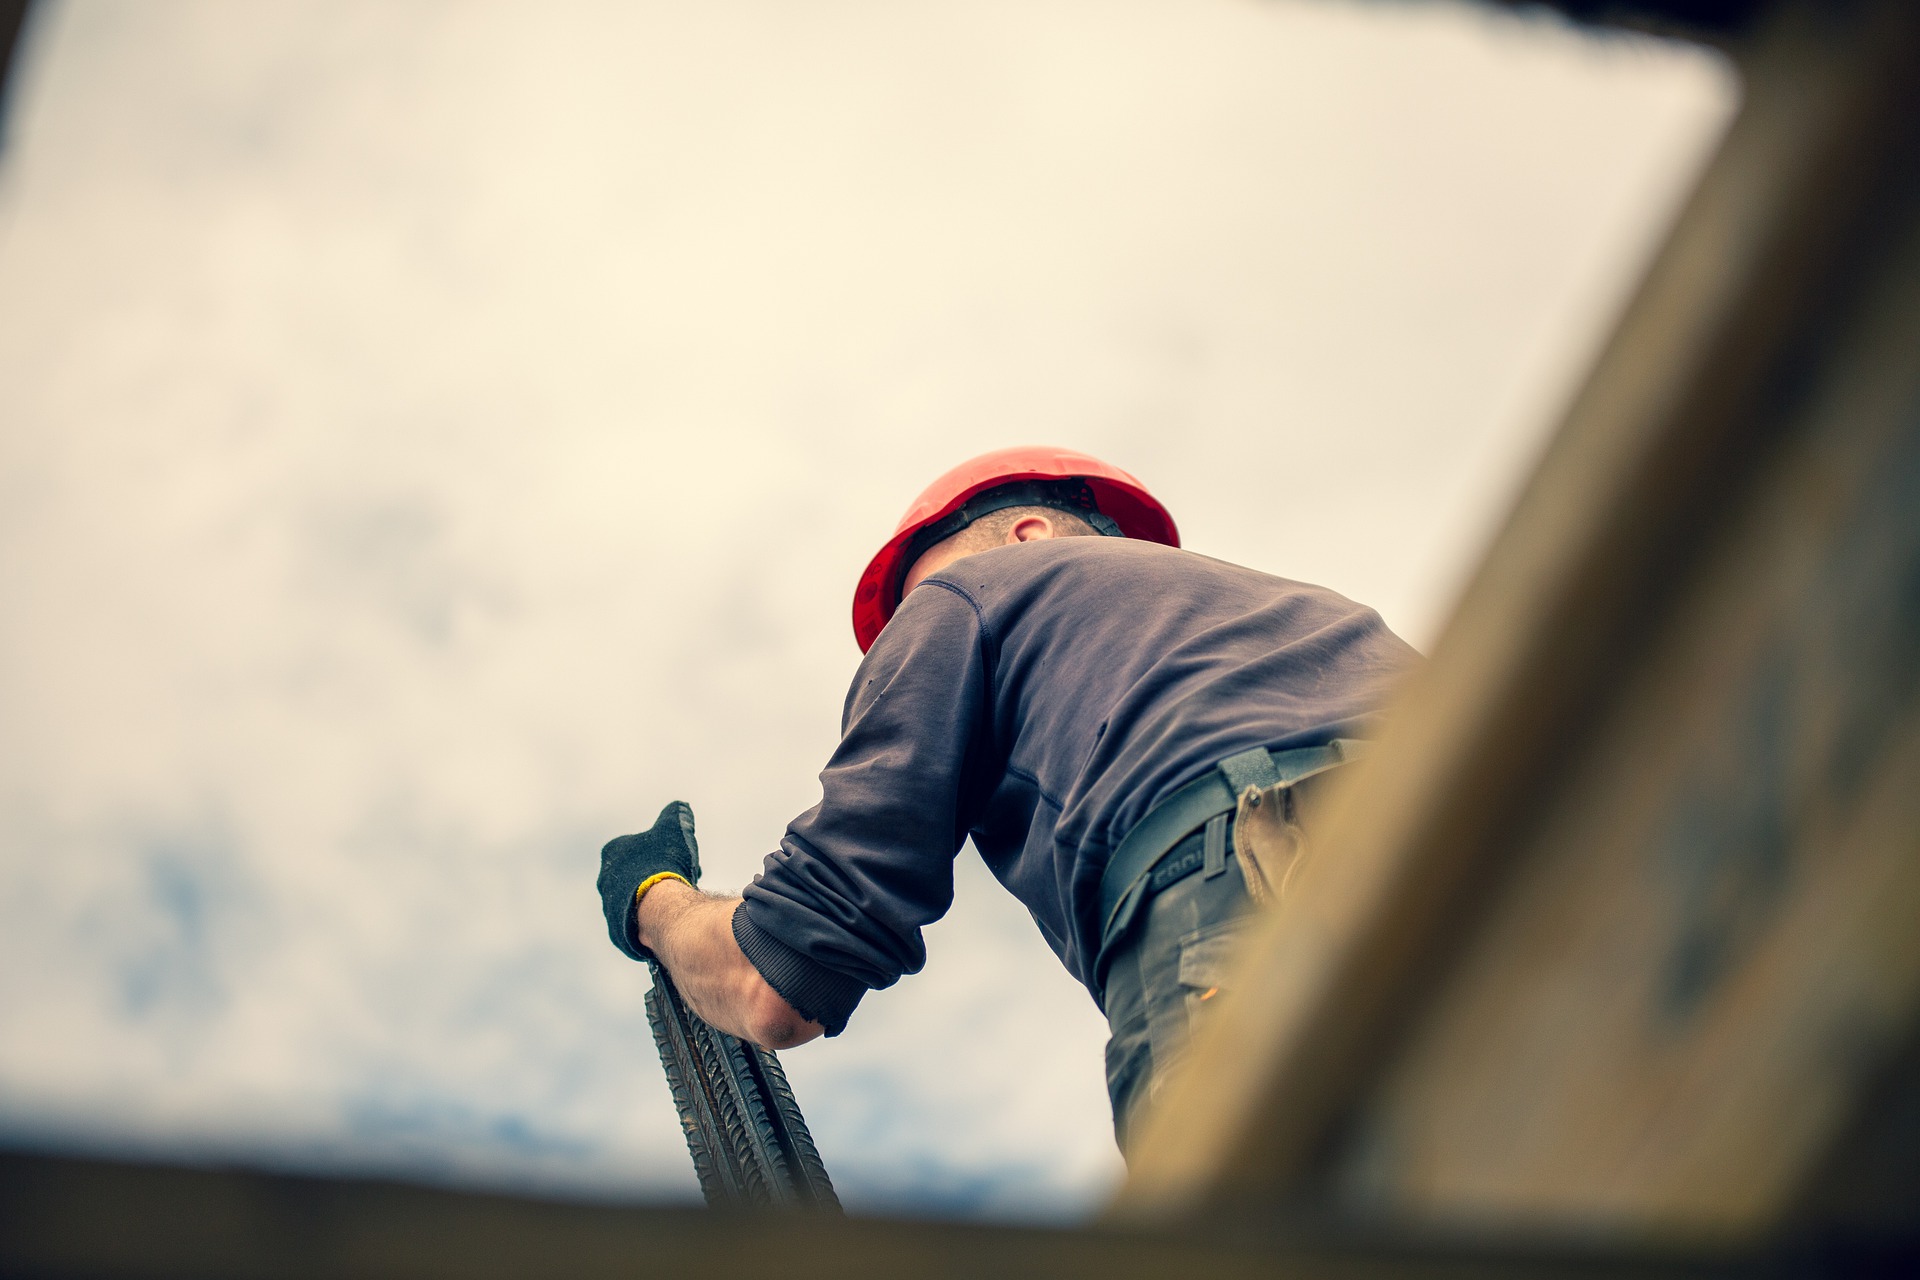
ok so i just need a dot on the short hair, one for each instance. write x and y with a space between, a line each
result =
991 528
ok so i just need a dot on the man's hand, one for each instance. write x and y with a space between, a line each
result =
667 849
692 934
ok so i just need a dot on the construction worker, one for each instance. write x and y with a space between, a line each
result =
1134 736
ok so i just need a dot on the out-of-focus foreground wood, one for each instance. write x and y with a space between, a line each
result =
83 1218
13 20
1618 931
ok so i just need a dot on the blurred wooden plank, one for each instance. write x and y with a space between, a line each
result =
1714 20
1629 548
13 20
1868 1190
1710 950
97 1220
13 16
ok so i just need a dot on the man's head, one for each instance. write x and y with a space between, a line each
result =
1024 494
1002 528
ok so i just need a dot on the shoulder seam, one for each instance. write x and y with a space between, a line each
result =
990 643
989 659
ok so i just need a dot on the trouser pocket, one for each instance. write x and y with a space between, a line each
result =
1206 968
1197 977
1171 976
1206 965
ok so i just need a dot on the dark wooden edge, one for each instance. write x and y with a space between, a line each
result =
63 1216
13 21
1706 20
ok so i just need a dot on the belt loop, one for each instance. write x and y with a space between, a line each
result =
1215 848
1248 769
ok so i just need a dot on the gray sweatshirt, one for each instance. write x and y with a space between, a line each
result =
1040 699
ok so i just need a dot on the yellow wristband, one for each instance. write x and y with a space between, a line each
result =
655 879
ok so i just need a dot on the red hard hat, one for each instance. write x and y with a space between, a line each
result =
1115 494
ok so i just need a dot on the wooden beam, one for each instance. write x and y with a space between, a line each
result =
1688 986
13 20
1433 1016
99 1220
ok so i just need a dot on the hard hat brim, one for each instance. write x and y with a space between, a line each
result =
1117 494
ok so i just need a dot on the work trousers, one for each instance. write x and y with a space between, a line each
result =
1180 957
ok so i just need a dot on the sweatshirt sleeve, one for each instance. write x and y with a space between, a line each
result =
839 907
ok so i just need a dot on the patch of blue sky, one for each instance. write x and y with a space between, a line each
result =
175 925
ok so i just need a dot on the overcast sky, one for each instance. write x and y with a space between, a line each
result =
433 436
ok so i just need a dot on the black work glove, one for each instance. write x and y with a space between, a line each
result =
629 861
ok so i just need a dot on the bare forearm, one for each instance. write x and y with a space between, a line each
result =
692 934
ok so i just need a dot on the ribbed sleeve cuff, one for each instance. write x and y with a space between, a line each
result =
817 993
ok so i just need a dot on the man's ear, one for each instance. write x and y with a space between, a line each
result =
1030 529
